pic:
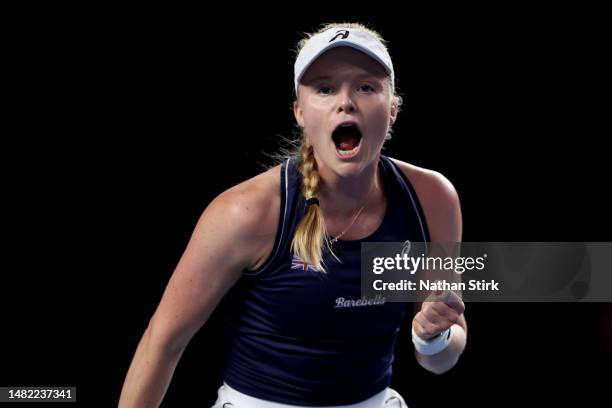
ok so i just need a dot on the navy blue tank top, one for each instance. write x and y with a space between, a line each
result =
297 336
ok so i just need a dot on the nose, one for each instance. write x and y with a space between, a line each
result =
346 103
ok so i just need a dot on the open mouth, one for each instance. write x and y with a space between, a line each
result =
347 137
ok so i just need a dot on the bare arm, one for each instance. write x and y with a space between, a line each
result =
442 209
209 267
445 224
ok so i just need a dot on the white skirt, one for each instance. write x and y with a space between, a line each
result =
229 397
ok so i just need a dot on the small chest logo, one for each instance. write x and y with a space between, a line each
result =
342 34
406 248
299 264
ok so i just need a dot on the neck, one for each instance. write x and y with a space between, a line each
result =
343 196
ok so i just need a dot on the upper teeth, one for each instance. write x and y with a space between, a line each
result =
346 125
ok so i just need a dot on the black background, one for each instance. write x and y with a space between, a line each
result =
122 125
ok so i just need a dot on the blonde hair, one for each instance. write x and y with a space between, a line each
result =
311 235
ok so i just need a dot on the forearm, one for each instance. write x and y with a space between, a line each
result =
445 360
149 375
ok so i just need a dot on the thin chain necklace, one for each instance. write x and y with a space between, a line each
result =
337 237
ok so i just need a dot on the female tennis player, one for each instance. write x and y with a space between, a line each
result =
299 332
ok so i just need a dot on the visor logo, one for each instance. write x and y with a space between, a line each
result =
341 33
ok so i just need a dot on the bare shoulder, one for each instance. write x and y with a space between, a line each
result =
439 200
250 210
429 184
253 197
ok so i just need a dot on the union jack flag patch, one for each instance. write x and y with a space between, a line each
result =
298 263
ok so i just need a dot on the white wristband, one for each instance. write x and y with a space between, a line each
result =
436 345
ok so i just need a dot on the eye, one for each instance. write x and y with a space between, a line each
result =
366 88
324 90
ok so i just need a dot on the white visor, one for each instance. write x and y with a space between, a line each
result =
356 38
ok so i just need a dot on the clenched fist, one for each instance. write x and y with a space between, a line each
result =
438 312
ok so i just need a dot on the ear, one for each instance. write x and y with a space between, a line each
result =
393 112
299 114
